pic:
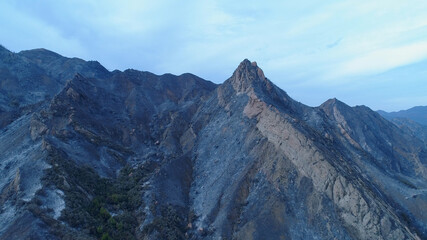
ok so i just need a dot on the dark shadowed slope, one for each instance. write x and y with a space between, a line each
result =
90 129
29 78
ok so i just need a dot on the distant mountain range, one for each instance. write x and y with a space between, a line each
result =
413 120
417 114
86 153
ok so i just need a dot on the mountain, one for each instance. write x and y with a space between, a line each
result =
413 120
416 114
29 78
133 155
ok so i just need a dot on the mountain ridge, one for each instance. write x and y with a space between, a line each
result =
136 155
417 114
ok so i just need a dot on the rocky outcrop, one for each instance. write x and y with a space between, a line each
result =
10 191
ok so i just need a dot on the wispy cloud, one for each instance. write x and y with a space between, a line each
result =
21 31
297 43
382 60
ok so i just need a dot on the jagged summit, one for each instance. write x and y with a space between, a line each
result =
246 74
249 79
334 104
333 101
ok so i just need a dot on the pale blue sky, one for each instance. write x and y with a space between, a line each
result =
370 53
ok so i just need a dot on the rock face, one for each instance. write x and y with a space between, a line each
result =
133 155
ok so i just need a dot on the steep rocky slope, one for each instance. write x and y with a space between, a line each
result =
299 156
411 127
134 155
31 77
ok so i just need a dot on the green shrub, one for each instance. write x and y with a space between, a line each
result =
169 225
106 236
90 198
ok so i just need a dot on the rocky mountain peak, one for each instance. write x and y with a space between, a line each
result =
332 105
333 102
246 74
